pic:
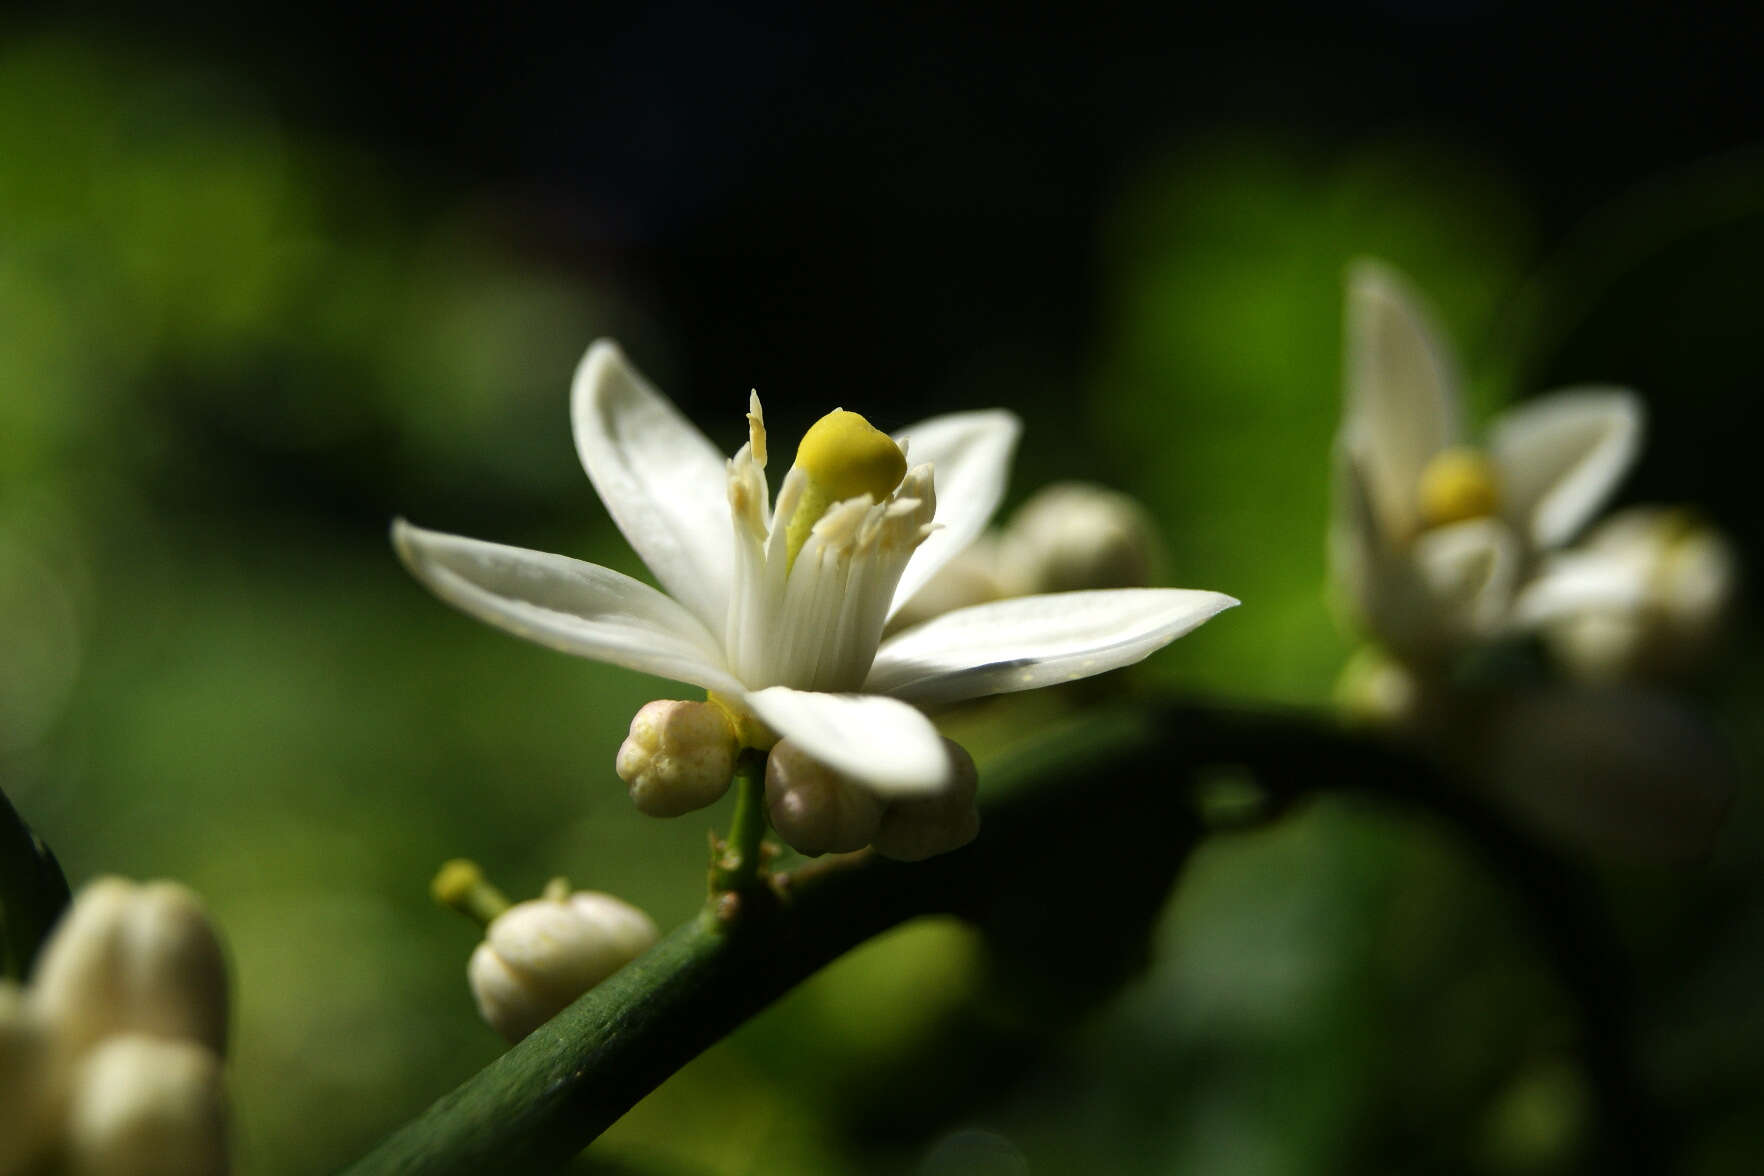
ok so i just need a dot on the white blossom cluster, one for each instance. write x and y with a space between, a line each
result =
1441 548
1438 544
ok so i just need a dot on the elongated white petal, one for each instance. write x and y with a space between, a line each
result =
1561 456
662 480
566 604
1358 552
1035 641
970 455
1402 403
880 742
1582 581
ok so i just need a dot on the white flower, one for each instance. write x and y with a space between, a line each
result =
1429 537
778 610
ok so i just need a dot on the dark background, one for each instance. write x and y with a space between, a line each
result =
271 276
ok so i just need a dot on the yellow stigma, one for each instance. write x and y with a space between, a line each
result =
844 456
455 880
1458 484
461 885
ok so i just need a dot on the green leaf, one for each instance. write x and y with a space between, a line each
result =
33 892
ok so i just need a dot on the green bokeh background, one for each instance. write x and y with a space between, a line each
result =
232 347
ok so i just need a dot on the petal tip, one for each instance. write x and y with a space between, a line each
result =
603 360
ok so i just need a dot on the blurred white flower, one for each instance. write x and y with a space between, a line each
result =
540 955
146 1106
30 1082
134 958
1644 595
1071 536
779 612
1429 537
110 1060
1067 537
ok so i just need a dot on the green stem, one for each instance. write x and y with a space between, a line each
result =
737 865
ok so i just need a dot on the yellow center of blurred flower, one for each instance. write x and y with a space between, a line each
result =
1458 484
844 456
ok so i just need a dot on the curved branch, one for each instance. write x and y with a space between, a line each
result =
1116 778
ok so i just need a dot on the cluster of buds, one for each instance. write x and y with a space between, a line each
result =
1440 549
538 956
680 756
817 810
110 1060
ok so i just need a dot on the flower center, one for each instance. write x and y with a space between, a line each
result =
814 577
1458 484
844 456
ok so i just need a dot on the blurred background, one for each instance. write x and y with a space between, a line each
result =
271 275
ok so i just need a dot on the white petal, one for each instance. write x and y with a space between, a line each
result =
883 743
1468 570
662 480
1561 456
1036 641
1582 581
1401 403
566 604
970 454
1359 553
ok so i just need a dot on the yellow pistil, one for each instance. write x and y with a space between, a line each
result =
844 456
1458 484
460 885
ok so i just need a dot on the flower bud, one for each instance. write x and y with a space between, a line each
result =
146 1106
134 958
540 955
1073 535
679 756
815 809
1676 580
913 830
29 1077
